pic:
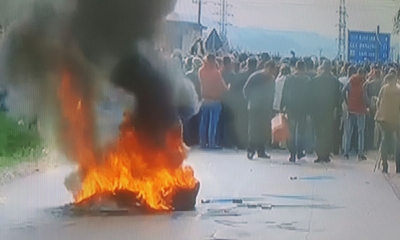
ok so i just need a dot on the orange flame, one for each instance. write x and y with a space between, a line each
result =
153 174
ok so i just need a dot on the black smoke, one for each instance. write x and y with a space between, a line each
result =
98 38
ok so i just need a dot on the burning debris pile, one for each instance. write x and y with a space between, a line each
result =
61 58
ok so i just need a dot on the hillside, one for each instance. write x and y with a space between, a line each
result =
303 43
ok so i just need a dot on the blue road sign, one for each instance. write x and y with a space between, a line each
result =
364 45
213 42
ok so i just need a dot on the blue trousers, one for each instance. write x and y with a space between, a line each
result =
209 118
354 120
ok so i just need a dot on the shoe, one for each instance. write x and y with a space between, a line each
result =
385 167
216 147
292 159
263 155
323 160
319 160
203 146
346 156
250 155
301 155
361 157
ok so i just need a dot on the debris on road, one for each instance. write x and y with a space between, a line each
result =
230 200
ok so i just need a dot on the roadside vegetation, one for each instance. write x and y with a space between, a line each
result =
18 142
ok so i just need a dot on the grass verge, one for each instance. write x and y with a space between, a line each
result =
18 144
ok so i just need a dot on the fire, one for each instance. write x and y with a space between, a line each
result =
153 174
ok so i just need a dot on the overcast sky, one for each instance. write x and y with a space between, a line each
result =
319 16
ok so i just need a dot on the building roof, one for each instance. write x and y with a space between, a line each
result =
182 18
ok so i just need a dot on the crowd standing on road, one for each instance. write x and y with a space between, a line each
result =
327 107
331 107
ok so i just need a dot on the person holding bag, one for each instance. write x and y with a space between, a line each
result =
295 102
259 92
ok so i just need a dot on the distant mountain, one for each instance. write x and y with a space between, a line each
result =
282 42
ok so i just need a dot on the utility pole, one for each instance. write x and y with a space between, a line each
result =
199 12
342 30
224 14
377 43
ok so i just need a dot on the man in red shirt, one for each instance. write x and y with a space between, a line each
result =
355 98
213 87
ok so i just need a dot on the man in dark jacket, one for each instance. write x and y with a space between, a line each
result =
372 89
295 103
241 123
309 143
325 95
259 92
226 123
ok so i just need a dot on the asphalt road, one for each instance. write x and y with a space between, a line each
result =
340 200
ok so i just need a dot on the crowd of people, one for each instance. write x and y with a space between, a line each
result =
331 107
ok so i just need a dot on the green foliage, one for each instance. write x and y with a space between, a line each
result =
17 142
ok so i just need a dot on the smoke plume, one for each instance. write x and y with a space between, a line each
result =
98 40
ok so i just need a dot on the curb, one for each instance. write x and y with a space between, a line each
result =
393 185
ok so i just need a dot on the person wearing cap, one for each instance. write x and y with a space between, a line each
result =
325 101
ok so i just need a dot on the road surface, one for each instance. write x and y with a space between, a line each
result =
340 200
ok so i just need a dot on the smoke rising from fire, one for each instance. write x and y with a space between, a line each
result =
98 40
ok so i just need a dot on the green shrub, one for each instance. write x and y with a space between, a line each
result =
17 142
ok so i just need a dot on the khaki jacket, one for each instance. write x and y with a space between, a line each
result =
389 105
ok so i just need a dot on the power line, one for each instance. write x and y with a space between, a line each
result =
315 2
266 4
224 15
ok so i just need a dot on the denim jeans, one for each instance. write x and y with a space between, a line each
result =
210 113
352 121
296 141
